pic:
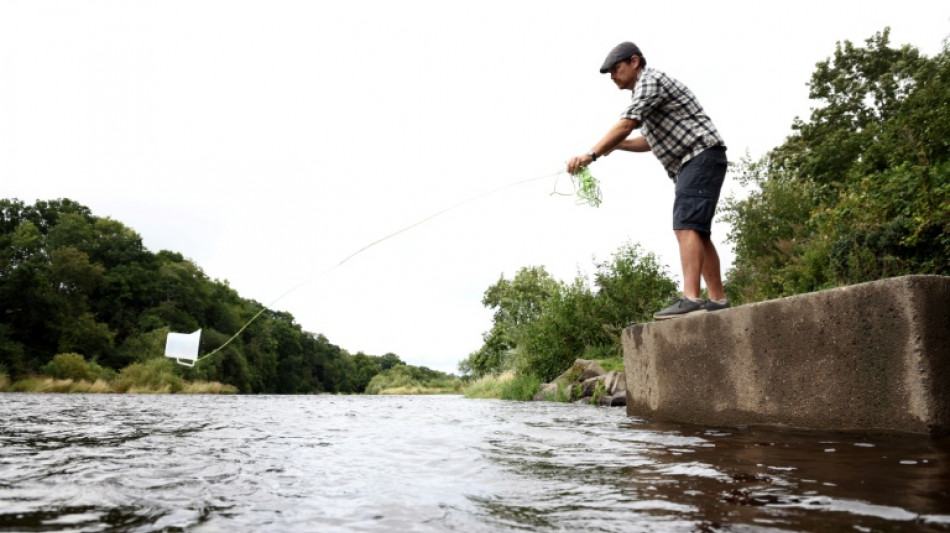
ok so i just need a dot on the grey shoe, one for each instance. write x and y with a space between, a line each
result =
681 307
713 305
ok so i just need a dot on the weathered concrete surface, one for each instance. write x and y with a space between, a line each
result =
868 356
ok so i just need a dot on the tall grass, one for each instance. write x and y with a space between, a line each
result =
155 376
506 386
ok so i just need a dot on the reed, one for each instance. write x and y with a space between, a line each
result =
207 387
98 386
41 384
490 385
418 390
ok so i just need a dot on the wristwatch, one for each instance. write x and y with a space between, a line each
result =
593 155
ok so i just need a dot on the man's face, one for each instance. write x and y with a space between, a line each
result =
624 74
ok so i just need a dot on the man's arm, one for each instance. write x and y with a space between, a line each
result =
637 144
613 139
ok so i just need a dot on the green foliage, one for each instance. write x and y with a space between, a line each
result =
515 302
541 326
609 364
406 378
489 385
861 191
69 366
4 377
522 388
71 282
155 375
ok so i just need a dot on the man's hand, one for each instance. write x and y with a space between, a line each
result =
620 131
576 163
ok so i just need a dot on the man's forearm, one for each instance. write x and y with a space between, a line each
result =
615 136
637 144
620 131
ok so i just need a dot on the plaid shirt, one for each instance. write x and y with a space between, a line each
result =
671 120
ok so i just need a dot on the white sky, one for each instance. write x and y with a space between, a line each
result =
267 141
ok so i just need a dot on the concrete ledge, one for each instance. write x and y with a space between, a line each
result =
868 356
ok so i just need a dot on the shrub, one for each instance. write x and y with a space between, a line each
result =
489 385
154 375
521 388
69 366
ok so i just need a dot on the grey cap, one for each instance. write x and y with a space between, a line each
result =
621 52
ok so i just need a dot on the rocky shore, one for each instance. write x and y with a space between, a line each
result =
587 382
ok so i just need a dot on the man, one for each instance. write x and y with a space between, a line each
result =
675 128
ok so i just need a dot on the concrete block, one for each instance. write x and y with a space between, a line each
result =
869 356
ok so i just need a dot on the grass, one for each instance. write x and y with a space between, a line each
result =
45 384
489 385
613 363
418 389
506 386
512 386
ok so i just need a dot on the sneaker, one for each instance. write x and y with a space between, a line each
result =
716 305
681 307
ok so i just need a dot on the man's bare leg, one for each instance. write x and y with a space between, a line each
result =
711 274
692 255
698 256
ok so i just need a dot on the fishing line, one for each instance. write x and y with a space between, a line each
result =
586 188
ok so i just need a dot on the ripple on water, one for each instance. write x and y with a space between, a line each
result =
336 463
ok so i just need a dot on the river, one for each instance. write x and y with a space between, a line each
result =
130 463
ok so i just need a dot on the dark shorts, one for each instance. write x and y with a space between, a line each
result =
697 191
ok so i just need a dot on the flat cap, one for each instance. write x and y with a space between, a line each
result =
621 52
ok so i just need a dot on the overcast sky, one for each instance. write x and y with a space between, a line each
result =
269 140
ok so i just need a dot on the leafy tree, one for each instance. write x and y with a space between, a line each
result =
541 325
860 191
516 303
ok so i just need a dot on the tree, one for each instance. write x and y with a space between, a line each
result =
541 325
516 303
861 191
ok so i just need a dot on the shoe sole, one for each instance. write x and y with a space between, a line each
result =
678 315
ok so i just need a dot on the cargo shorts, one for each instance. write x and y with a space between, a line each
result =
697 191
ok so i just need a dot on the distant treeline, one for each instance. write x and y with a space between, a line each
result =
75 283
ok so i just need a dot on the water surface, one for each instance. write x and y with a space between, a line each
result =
375 463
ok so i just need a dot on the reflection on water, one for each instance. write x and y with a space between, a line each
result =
328 463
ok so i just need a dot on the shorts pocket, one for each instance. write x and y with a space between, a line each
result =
694 208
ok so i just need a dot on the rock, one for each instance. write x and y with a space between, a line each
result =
590 386
615 382
619 399
581 369
593 370
584 381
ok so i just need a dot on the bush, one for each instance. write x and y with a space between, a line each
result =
489 385
69 366
154 375
521 388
